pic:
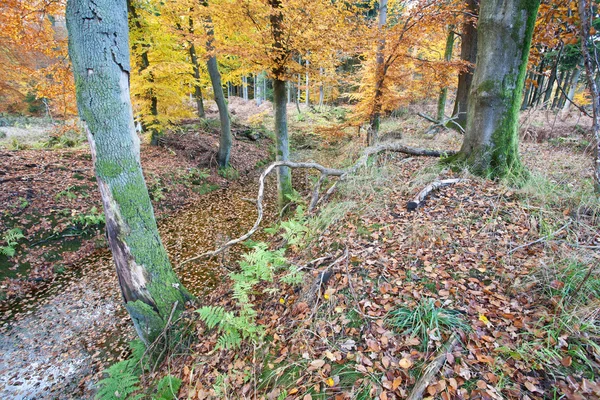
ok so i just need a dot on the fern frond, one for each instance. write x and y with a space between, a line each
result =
211 315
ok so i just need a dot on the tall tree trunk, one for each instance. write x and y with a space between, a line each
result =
144 64
565 86
225 137
540 83
441 110
284 174
245 87
525 102
307 98
572 89
585 16
289 91
490 147
552 79
557 92
374 118
99 52
321 89
257 90
468 52
196 69
215 78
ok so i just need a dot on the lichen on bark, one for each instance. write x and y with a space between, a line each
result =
98 48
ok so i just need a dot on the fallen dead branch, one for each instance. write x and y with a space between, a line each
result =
420 199
325 172
440 124
432 369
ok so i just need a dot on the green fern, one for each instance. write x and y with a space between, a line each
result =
120 383
211 315
167 388
11 237
230 339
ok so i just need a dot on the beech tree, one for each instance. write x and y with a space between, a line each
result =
586 13
468 52
505 28
215 78
99 52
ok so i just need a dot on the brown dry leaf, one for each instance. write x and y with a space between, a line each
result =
405 363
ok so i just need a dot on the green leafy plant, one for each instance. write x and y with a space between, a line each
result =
11 238
167 388
93 220
68 193
426 321
122 378
257 266
229 173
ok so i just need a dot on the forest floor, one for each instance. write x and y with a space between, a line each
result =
513 271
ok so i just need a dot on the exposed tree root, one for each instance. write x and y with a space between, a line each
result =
432 369
420 199
325 172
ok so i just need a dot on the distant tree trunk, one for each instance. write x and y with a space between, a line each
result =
551 80
99 52
264 81
490 147
307 99
321 89
572 89
215 78
565 86
144 64
245 87
257 90
441 110
196 69
585 16
525 102
284 174
289 92
374 118
557 92
298 95
468 52
539 90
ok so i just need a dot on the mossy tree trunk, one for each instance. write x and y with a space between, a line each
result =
284 175
99 52
468 52
441 110
490 147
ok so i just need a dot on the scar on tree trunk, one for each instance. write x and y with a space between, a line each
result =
151 291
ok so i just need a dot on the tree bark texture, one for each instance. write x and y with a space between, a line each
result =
99 52
490 147
468 52
284 174
585 16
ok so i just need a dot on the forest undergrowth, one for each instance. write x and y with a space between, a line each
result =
512 273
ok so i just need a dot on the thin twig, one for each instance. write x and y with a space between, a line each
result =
540 239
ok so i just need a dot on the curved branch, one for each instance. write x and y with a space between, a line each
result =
341 173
